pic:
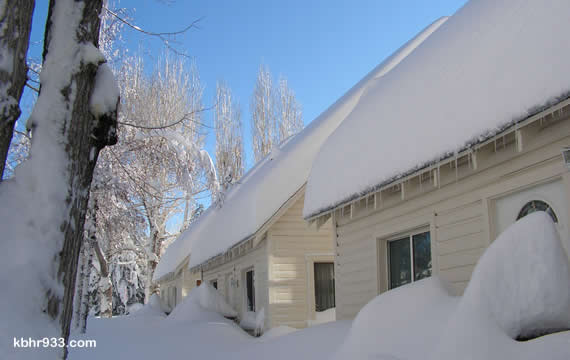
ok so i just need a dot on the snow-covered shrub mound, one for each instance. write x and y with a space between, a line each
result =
520 287
403 323
523 279
254 321
152 308
201 304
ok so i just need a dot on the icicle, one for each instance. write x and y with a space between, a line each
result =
519 140
456 170
402 191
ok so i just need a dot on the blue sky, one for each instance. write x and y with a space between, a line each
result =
321 47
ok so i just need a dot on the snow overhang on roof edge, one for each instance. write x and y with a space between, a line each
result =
534 113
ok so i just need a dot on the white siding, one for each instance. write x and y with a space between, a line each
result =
294 246
231 280
459 214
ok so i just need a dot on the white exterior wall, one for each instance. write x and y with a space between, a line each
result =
183 281
460 213
231 279
294 247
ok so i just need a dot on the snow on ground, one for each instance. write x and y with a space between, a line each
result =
323 317
272 181
520 287
490 64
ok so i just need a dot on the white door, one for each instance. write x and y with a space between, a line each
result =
550 197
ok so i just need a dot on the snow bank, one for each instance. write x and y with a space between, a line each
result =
323 317
152 308
271 182
202 304
254 321
520 287
276 332
490 64
404 323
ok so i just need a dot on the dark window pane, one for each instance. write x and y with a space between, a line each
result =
422 256
250 290
324 286
399 257
537 205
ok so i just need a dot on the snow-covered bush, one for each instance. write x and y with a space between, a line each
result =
519 288
202 303
152 308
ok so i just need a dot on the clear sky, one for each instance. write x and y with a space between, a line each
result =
321 47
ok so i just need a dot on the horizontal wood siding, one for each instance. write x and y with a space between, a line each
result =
458 213
290 240
231 279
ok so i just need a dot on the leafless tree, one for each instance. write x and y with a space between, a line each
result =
275 112
229 137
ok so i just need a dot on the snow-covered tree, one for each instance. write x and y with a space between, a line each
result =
289 114
15 27
229 137
153 174
262 114
43 207
275 112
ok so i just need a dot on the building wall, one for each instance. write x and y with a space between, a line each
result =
293 247
231 279
182 282
460 211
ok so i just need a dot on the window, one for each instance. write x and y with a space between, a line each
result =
537 205
409 259
324 286
214 283
250 290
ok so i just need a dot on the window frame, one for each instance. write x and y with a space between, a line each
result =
245 289
315 264
409 235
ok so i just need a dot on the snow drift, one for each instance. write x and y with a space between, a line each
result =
520 287
203 303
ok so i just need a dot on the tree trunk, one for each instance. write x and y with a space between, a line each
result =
105 286
83 134
79 286
16 20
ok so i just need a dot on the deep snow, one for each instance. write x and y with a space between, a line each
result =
520 286
490 64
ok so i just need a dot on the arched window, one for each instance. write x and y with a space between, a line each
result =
537 205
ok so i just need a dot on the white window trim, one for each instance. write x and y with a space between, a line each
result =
383 235
310 260
244 292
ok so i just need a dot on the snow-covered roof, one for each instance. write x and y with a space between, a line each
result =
490 65
268 185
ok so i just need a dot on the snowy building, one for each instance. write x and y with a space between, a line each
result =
457 142
256 248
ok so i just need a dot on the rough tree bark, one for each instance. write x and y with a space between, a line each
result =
16 20
105 287
84 136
